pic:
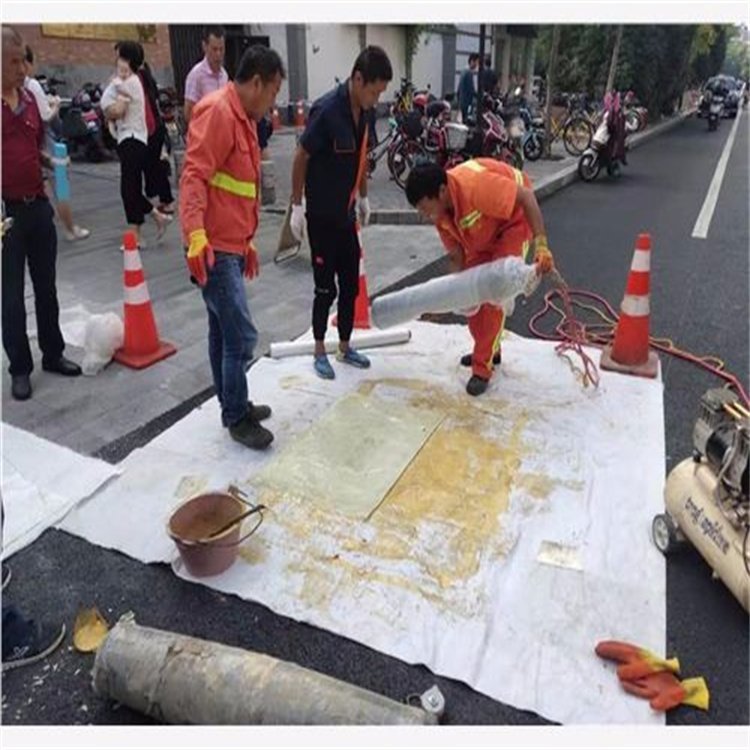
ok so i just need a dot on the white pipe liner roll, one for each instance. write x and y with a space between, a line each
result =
360 340
498 282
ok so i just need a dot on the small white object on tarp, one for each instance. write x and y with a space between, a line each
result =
41 482
498 282
568 562
104 336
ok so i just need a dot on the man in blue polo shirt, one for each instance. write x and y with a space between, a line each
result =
330 166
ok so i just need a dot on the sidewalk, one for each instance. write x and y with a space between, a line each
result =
87 413
386 197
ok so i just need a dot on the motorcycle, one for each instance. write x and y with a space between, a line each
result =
81 124
607 147
715 111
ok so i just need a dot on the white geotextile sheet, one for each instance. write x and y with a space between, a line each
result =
516 540
41 482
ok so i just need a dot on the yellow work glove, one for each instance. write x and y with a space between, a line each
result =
252 266
542 254
200 253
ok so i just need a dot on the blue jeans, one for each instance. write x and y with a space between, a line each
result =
231 334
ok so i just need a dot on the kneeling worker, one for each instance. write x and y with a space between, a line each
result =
330 166
484 210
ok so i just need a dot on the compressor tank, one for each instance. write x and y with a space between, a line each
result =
689 500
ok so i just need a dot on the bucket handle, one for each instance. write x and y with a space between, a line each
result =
205 542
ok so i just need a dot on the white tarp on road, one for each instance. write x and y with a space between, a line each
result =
516 538
41 482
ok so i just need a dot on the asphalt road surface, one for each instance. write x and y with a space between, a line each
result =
699 299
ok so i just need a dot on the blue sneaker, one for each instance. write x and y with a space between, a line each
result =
353 357
323 367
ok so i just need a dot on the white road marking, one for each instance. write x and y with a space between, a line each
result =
703 222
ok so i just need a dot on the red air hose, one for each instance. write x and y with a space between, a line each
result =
573 335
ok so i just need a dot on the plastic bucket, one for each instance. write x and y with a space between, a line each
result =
195 520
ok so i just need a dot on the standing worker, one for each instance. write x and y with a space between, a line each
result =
330 165
219 213
32 237
484 210
209 74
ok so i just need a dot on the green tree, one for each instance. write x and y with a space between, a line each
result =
737 60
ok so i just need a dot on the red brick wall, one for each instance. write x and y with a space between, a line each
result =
56 51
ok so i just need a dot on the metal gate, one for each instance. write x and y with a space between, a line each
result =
185 46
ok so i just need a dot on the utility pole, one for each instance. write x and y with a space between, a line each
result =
613 63
480 76
550 85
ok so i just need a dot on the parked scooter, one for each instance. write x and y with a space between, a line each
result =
80 125
715 111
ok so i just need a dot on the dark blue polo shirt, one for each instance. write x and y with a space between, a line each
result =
333 143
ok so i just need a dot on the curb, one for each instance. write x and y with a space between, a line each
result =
544 188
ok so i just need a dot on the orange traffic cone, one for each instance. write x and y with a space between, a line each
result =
275 119
630 352
299 118
362 303
142 346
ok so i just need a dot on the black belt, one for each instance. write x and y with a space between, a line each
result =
27 200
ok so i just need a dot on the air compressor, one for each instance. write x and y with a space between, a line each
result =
706 496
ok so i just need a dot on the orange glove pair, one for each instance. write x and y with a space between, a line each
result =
200 257
648 676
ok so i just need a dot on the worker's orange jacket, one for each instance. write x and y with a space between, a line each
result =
486 223
220 180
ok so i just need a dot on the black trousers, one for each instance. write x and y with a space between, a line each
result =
32 237
335 255
133 155
157 170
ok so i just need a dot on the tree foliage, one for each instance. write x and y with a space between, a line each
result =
657 62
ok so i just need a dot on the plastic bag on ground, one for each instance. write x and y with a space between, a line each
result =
104 336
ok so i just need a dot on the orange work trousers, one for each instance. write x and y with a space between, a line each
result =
487 324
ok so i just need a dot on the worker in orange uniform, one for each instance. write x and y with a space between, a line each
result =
219 214
484 210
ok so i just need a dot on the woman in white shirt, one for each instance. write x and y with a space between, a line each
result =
123 102
48 109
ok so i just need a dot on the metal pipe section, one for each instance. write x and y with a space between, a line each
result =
498 282
359 340
181 680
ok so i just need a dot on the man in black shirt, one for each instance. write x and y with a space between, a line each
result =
330 166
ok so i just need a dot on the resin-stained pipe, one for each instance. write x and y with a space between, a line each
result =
498 282
183 680
359 340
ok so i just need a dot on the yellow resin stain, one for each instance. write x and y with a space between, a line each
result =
252 552
437 524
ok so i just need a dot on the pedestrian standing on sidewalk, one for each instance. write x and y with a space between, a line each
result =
330 165
209 74
49 112
466 89
32 236
483 210
123 102
219 213
157 164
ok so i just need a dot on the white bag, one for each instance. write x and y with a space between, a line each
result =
104 336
